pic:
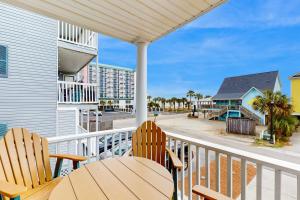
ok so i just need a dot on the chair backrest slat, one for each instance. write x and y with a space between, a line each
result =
38 156
149 141
158 145
24 158
31 158
144 141
46 161
13 156
149 137
20 147
154 141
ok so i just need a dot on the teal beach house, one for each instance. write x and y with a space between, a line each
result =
236 95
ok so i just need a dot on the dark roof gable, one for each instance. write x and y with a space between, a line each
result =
236 87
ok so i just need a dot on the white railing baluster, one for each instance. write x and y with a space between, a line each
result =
113 145
97 120
78 142
190 171
89 149
86 37
97 148
66 90
89 93
126 141
243 179
229 176
68 152
207 168
277 186
88 120
198 168
218 171
76 34
120 143
182 171
105 143
69 33
258 181
73 39
59 92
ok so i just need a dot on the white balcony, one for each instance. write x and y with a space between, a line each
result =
197 155
77 46
77 93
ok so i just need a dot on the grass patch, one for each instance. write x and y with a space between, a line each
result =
265 143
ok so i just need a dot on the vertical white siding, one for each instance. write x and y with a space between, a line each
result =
28 96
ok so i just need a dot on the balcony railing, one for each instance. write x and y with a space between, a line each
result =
76 93
196 154
77 35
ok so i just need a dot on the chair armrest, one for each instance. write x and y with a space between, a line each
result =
69 157
175 160
11 190
208 194
128 153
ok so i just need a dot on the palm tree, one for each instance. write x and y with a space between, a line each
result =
163 101
198 97
184 101
190 94
279 110
178 102
173 100
149 98
110 103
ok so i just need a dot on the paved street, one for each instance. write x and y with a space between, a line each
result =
213 131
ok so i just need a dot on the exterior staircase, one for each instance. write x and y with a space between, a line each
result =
247 113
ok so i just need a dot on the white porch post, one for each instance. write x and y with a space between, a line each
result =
141 83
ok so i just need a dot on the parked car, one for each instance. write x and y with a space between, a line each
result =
109 141
95 113
118 151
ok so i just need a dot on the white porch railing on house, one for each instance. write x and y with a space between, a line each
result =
195 153
76 93
77 35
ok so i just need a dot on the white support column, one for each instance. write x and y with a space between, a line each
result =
141 83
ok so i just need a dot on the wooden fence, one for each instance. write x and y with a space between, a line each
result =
241 126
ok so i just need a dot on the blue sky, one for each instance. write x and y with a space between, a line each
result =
239 37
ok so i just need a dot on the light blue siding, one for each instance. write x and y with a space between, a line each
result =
248 100
28 96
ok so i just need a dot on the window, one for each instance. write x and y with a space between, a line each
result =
3 61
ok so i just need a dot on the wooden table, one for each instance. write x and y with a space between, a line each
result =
122 178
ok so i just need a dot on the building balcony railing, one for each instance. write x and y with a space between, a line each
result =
199 157
77 35
77 93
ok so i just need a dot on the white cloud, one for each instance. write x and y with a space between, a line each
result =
251 13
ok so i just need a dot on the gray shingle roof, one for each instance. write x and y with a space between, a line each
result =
236 87
296 75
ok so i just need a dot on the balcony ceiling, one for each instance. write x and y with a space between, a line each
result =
128 20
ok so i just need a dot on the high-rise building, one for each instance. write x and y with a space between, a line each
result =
116 85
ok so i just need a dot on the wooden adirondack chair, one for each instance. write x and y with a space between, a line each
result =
149 141
25 171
